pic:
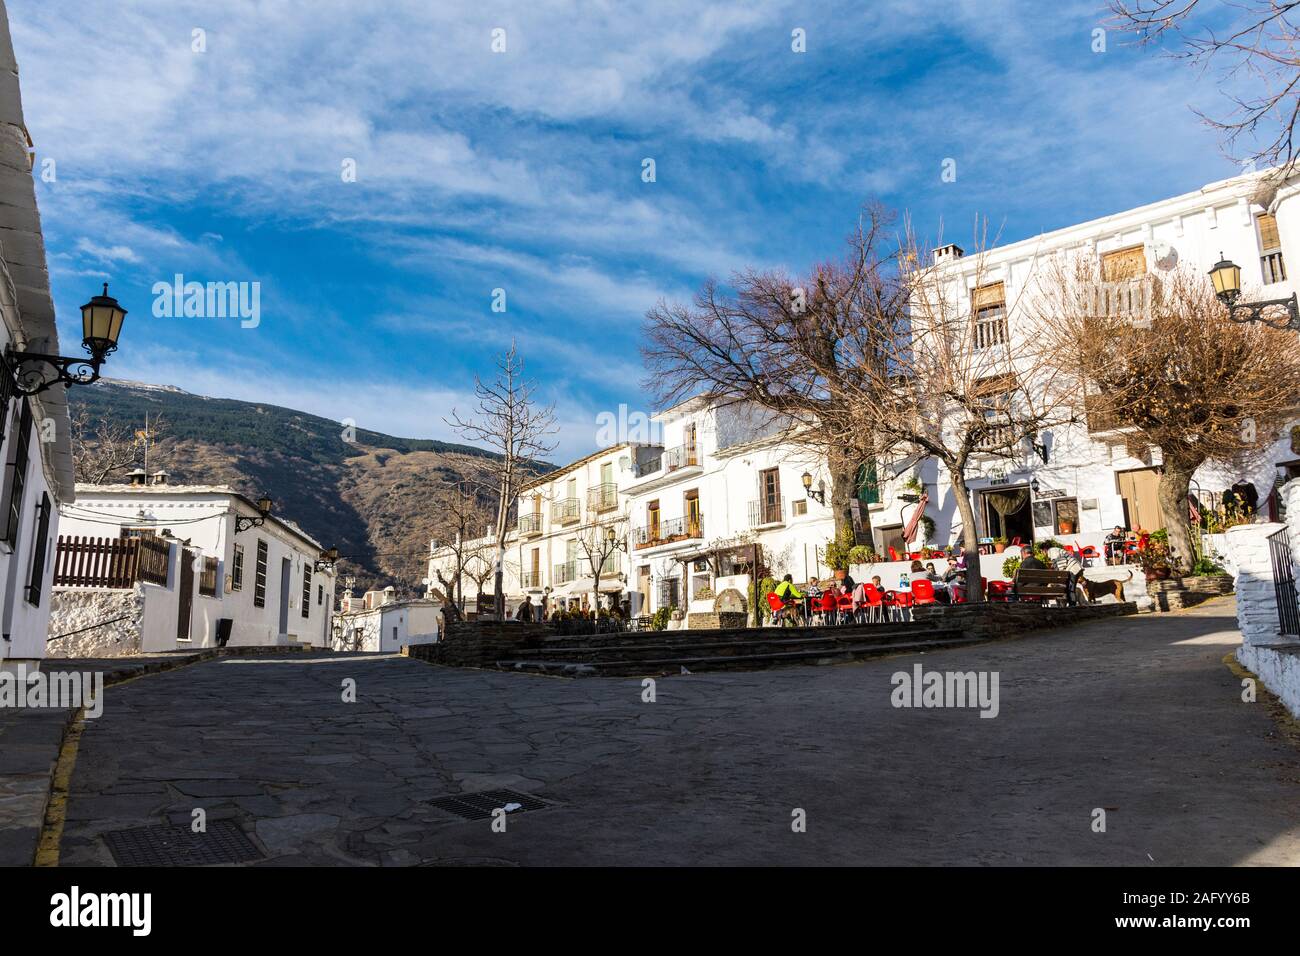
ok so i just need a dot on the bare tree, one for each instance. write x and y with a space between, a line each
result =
776 343
943 373
509 421
599 542
461 518
1179 375
102 450
1251 41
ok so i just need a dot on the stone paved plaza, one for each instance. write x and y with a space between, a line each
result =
1137 715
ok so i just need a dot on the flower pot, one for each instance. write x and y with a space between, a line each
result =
840 575
998 548
1067 527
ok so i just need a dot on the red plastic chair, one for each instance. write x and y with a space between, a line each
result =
999 591
844 605
902 602
874 604
1089 553
923 592
893 555
827 607
776 604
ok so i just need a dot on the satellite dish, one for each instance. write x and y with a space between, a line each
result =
1166 256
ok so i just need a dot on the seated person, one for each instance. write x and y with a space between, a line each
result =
790 596
1114 545
1065 561
955 579
1030 562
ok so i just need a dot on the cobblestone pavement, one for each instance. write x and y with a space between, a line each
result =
1135 715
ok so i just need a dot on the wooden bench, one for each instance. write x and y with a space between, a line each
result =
1041 585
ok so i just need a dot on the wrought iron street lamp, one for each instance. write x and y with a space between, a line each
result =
612 537
328 558
264 505
101 324
1226 276
820 494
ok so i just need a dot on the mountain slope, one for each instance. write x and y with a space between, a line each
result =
372 497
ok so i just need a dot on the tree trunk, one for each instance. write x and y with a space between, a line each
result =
970 537
844 489
498 597
1175 479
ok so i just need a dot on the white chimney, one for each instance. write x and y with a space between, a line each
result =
947 253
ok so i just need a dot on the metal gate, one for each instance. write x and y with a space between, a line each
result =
1288 604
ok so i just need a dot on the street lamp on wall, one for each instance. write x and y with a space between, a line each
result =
820 494
264 505
101 325
328 558
614 540
1226 277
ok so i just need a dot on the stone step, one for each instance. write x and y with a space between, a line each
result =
632 649
839 653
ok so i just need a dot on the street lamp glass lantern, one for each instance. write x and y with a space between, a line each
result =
610 535
807 481
1226 276
264 505
101 324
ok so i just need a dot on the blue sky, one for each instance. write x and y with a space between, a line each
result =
522 171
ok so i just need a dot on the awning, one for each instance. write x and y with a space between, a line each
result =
587 585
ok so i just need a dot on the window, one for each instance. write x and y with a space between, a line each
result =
1123 264
769 509
799 507
692 501
1270 245
17 477
259 578
995 393
320 594
306 590
36 582
989 304
208 578
237 569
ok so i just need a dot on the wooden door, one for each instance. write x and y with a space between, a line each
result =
1141 502
185 598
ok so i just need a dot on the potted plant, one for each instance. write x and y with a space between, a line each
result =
861 554
1009 568
838 551
1155 558
999 545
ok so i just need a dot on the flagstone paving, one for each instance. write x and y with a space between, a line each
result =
1135 715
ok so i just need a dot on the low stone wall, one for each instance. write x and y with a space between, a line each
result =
1278 666
713 620
478 643
120 615
996 619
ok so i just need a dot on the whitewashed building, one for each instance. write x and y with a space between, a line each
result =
35 444
380 622
232 575
723 499
1086 478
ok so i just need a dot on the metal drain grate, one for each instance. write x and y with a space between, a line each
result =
179 846
479 806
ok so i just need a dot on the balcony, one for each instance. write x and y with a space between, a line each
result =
1102 419
565 573
531 579
666 532
566 511
991 331
669 460
613 565
602 497
997 438
530 525
766 512
1273 267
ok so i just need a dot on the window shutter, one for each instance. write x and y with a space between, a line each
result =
988 296
1124 264
36 584
1268 237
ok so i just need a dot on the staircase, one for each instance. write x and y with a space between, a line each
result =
667 652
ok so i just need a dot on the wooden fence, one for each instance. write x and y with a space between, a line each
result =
84 562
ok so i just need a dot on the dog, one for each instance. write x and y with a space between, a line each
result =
1096 589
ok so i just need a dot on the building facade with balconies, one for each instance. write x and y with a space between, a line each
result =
1089 476
721 500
